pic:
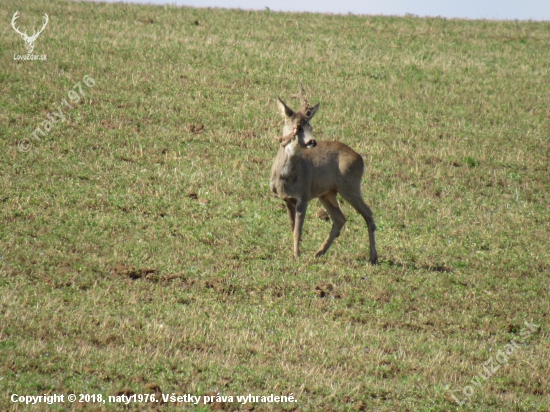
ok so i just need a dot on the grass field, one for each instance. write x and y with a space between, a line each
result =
141 250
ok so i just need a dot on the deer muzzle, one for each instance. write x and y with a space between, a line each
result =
311 143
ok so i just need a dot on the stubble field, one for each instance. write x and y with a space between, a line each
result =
141 250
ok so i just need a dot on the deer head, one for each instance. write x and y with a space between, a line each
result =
29 40
297 128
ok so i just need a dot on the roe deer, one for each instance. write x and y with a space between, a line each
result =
305 169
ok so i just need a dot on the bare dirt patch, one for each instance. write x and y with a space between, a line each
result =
326 290
322 214
133 273
194 128
219 285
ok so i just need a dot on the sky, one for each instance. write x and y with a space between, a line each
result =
470 9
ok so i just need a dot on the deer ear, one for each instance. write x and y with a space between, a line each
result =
313 110
285 111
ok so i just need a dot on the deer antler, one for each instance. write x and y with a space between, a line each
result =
284 140
305 108
35 33
15 17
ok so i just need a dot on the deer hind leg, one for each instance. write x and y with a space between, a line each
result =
364 210
338 220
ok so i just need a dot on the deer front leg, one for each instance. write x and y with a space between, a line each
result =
301 208
291 208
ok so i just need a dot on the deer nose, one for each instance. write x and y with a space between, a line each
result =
312 143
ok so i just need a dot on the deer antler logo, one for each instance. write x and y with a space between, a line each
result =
29 40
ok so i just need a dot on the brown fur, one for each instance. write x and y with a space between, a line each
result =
304 170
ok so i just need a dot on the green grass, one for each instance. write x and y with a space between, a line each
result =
137 254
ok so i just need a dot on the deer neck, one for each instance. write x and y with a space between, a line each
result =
290 161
